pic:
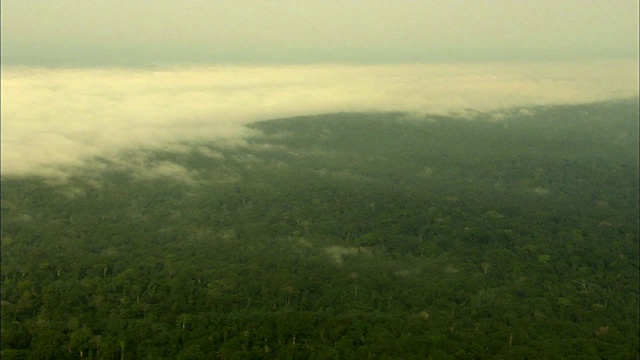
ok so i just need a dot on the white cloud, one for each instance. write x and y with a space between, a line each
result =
338 253
52 118
167 169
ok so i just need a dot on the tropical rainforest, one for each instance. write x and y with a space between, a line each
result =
504 235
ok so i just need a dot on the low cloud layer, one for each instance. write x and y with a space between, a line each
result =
57 118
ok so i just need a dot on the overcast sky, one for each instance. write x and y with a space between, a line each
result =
144 32
87 78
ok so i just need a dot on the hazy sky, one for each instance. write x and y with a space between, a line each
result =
86 78
142 32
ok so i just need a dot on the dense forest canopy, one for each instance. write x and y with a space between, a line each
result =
503 235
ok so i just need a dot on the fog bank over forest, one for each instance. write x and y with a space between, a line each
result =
347 235
57 118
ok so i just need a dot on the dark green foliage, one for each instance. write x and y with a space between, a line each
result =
365 236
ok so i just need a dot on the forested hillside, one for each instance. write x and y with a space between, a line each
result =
510 235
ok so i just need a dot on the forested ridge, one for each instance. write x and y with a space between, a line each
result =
508 235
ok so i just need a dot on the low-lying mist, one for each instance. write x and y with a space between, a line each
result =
54 119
